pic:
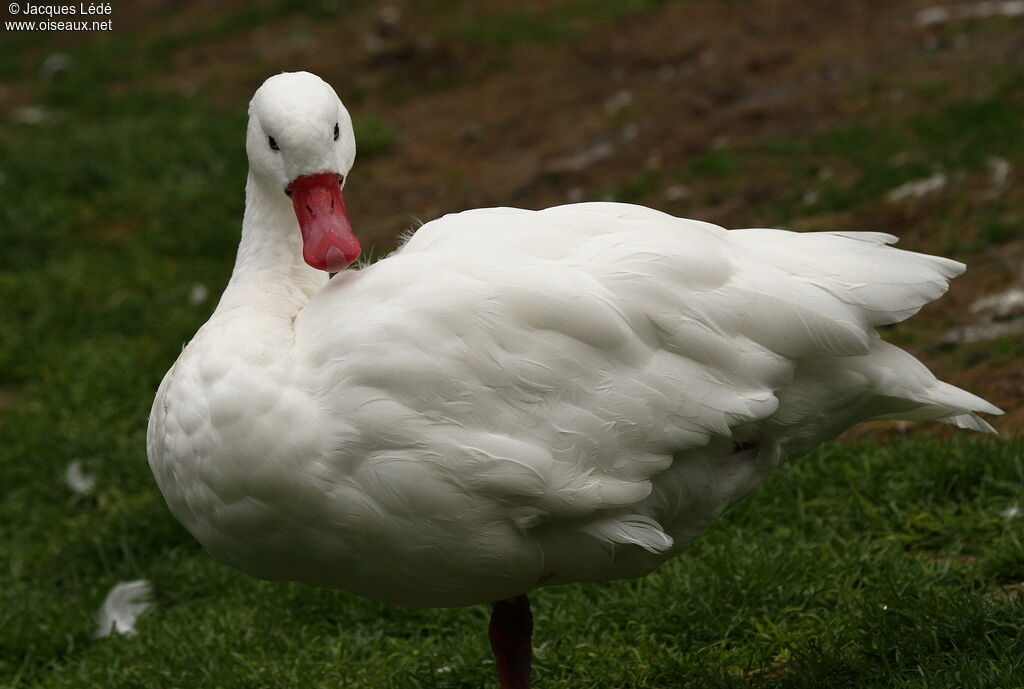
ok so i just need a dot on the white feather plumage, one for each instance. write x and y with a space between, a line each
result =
520 398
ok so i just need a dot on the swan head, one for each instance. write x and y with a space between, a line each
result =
301 145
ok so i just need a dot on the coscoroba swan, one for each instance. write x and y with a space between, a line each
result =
513 399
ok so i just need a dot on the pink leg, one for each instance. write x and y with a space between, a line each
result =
510 631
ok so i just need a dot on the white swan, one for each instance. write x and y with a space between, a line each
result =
513 399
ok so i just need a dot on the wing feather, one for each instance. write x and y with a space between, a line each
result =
561 360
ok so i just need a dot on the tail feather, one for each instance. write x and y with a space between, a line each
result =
926 398
971 422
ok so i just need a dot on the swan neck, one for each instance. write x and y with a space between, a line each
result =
270 276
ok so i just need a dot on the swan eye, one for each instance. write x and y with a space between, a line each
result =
273 144
336 131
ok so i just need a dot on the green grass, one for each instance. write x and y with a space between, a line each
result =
856 567
721 163
149 46
851 168
959 137
374 137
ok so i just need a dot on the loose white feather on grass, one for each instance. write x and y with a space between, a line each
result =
198 294
122 607
77 480
917 188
